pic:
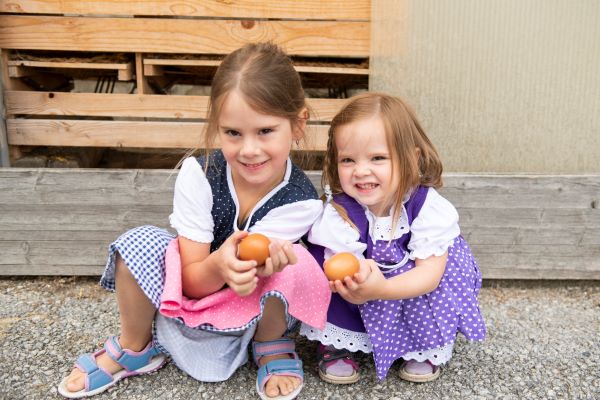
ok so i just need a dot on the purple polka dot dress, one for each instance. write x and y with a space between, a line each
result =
415 328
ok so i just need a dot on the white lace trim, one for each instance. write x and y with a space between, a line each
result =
338 337
381 227
437 356
359 341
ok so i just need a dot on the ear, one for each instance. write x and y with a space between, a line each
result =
300 126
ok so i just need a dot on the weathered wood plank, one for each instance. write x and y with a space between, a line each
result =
131 105
296 9
216 63
81 217
52 269
211 36
523 191
45 215
148 134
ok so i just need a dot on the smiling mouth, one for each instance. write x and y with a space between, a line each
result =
366 186
254 166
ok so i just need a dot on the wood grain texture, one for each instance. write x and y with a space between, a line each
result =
59 222
297 9
131 105
146 134
211 36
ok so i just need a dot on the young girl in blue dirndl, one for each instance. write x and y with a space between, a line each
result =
212 305
418 281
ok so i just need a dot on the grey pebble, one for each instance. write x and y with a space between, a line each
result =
543 343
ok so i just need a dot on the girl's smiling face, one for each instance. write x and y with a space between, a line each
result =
364 164
255 145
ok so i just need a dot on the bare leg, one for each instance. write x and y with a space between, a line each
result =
136 316
272 326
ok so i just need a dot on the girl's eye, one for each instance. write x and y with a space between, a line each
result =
231 132
379 158
345 160
265 131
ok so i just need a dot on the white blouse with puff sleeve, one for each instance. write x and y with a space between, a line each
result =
432 232
193 202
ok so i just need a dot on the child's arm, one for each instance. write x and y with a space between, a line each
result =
370 284
204 273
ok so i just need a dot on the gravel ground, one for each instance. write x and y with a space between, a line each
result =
543 343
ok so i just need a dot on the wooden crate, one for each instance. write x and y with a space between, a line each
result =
151 44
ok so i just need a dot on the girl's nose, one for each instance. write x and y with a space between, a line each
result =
250 146
361 169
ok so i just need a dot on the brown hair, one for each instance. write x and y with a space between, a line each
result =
266 78
404 134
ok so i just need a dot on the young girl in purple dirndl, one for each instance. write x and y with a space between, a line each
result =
418 281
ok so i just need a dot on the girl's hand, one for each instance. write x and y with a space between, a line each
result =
239 275
365 285
281 255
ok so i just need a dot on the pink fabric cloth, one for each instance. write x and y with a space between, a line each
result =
303 285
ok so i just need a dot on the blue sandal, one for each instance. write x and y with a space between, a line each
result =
284 367
98 380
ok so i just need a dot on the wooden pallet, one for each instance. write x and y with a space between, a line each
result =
44 44
60 221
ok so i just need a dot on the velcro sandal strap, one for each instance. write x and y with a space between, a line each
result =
289 367
336 354
128 359
95 376
279 346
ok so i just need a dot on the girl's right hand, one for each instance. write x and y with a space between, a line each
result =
365 285
239 275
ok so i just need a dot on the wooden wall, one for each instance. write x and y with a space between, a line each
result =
42 42
60 222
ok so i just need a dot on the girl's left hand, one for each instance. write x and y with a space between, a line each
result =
281 255
365 285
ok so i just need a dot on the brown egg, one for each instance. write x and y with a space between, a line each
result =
255 246
340 266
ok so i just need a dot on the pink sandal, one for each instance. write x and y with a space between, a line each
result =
415 371
337 366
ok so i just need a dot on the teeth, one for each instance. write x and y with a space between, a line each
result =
254 165
367 185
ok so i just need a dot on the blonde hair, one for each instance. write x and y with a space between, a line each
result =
266 78
404 134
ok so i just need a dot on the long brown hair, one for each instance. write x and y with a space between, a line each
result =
265 76
404 134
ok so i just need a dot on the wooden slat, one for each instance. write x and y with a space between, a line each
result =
536 192
69 65
148 134
53 269
47 215
316 38
297 9
131 105
18 69
216 63
76 217
30 187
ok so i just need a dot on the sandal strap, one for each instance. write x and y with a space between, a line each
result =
95 376
279 346
285 367
332 355
128 359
